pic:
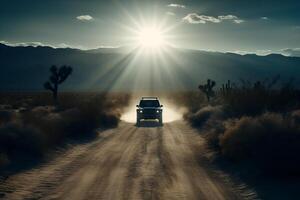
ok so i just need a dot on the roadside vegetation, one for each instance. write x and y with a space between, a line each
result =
30 124
254 125
33 123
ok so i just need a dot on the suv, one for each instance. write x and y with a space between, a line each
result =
149 108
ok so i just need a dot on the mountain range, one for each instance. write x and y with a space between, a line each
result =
127 69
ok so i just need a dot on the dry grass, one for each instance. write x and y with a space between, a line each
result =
252 124
254 100
271 141
31 125
206 115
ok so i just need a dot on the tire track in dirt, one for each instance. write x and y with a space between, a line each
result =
149 180
149 169
126 163
34 183
103 171
192 180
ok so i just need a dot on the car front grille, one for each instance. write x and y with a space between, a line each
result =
149 111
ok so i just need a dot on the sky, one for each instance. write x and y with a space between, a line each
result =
259 26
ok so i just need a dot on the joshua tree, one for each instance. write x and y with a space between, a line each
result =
207 89
58 76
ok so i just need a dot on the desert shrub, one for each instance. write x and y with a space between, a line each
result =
210 120
47 121
83 120
255 99
16 139
254 124
206 113
212 136
246 102
6 116
270 141
78 117
97 111
33 130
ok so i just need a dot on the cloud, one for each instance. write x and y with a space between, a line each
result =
227 17
25 44
56 46
194 18
174 5
257 52
292 52
39 44
209 19
295 52
170 13
85 18
238 21
241 52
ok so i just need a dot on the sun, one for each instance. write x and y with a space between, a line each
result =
151 37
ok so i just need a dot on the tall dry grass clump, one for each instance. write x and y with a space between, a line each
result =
271 141
257 124
259 97
205 115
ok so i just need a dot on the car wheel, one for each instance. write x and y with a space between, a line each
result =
138 121
160 120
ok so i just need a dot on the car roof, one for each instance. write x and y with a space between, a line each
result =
149 98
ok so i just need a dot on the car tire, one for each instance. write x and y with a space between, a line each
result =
138 121
160 121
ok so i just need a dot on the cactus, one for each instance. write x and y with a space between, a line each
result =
58 76
258 86
226 88
207 89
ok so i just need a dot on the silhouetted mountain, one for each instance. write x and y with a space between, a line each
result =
27 68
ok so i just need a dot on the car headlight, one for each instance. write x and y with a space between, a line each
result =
157 111
140 111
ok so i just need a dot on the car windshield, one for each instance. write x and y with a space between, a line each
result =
149 103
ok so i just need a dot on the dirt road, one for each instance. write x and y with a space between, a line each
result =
126 163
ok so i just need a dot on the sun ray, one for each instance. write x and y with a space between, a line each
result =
152 55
